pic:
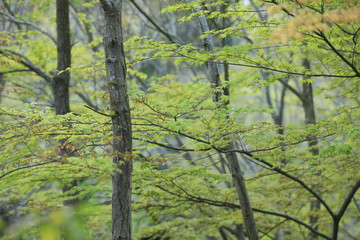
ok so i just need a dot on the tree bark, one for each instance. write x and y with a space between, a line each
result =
60 84
121 120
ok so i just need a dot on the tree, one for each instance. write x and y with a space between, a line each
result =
273 64
121 120
234 166
61 80
235 97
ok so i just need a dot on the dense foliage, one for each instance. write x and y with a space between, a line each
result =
274 83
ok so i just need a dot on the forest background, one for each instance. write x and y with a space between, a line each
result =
244 119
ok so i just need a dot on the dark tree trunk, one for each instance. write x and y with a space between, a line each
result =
60 84
121 120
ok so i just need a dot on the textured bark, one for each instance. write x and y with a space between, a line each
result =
60 84
234 165
121 120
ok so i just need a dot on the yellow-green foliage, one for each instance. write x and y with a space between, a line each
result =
182 188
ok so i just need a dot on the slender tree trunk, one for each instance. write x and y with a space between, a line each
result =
310 118
121 120
239 182
235 168
60 84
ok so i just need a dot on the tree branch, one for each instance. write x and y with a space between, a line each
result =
303 184
327 41
348 199
93 109
167 35
197 199
33 25
24 167
27 63
291 89
15 71
258 66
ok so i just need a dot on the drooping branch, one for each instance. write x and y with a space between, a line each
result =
15 71
293 90
347 62
322 36
22 59
97 111
33 25
25 167
192 198
257 159
167 146
167 35
296 179
268 68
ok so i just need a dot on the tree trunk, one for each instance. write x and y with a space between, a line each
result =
60 84
239 182
234 165
310 118
121 120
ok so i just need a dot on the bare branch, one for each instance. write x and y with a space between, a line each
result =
33 25
348 199
167 35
